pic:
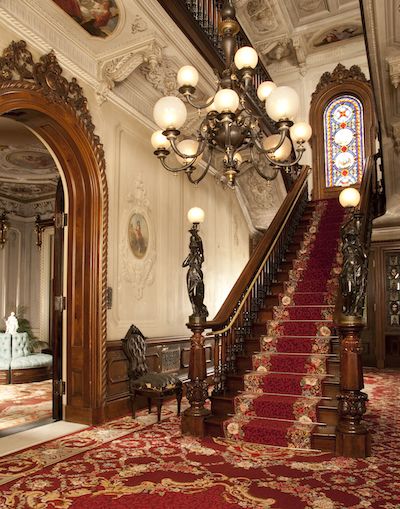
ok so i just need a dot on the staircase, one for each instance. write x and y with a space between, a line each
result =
281 381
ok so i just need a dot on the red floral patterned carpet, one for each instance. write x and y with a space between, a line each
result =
279 404
129 464
25 403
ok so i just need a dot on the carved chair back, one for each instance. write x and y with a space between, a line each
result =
134 347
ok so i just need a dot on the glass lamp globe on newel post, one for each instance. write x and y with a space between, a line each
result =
228 127
351 433
197 387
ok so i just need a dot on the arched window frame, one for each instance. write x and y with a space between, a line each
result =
340 82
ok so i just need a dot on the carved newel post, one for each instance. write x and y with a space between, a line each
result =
352 437
197 387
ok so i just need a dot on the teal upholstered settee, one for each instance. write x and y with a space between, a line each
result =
18 362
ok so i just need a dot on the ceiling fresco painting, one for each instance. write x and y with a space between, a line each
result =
97 17
337 35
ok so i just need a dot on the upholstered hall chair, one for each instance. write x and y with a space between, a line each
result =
151 385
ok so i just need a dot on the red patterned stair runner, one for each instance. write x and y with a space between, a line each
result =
279 403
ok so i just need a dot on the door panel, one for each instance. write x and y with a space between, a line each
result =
57 302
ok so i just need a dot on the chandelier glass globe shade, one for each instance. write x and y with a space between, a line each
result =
187 75
169 113
300 132
246 57
226 100
188 147
159 141
282 104
264 89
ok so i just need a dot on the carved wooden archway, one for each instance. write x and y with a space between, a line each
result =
37 95
340 81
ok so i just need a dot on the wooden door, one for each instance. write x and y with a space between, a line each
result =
58 301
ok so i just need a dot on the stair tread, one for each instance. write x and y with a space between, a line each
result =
294 336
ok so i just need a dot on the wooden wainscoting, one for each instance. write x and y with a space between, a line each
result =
381 338
164 354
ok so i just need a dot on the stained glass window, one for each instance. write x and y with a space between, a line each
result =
343 141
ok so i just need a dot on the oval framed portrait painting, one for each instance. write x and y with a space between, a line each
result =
138 235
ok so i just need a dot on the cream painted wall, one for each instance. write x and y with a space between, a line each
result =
152 292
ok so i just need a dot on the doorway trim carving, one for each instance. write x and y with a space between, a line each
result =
37 95
340 81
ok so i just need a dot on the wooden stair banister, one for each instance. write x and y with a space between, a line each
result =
258 255
232 324
352 436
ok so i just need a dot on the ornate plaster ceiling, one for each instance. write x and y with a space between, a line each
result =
382 21
132 67
28 173
289 33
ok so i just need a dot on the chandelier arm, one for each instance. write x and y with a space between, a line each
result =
200 150
284 131
185 167
254 163
199 179
285 164
188 97
266 177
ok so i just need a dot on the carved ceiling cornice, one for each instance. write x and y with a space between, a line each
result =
340 75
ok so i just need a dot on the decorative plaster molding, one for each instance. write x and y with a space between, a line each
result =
159 70
19 209
396 137
138 272
118 69
138 25
299 45
394 70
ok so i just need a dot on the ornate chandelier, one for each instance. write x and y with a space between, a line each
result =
229 127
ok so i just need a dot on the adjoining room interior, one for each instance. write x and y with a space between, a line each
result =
28 184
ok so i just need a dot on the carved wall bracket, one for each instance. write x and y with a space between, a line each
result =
159 70
117 69
394 70
149 58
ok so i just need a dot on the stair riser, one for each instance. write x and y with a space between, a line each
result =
222 406
330 390
265 314
213 430
252 347
325 444
244 364
327 416
235 384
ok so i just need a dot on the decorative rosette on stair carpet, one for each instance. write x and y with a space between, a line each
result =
283 390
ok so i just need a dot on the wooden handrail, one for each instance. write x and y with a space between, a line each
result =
250 272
